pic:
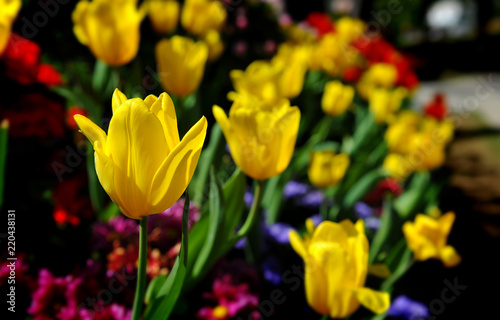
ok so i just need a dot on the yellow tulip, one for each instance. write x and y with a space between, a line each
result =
332 55
401 130
379 75
260 79
215 45
261 136
110 28
164 15
181 63
141 163
397 166
200 16
441 131
384 103
427 238
326 168
8 13
349 29
337 98
336 264
427 153
293 62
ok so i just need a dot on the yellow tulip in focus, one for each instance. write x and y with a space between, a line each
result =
337 98
261 136
110 28
384 103
215 45
336 264
200 16
164 15
181 63
326 168
8 12
141 163
427 238
260 79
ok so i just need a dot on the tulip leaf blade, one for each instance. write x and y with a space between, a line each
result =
215 221
163 304
154 287
185 228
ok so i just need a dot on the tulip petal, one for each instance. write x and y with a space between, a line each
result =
118 99
175 173
78 16
297 244
150 100
138 146
329 231
231 137
164 109
376 301
288 127
446 222
450 257
316 286
104 168
91 130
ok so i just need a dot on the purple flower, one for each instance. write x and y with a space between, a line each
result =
316 219
278 232
295 189
363 210
312 199
405 308
372 223
119 228
271 271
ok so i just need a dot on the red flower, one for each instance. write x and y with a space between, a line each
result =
22 59
377 196
352 74
436 108
321 22
35 115
70 113
71 202
48 76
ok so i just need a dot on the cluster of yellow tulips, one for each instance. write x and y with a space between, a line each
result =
346 137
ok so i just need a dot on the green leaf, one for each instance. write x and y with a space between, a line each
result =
163 300
154 288
215 218
408 202
361 188
382 233
112 210
215 147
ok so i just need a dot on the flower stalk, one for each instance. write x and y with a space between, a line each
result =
141 269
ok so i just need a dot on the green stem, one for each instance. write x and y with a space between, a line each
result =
141 270
4 127
254 212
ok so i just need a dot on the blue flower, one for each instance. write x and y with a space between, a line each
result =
405 308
